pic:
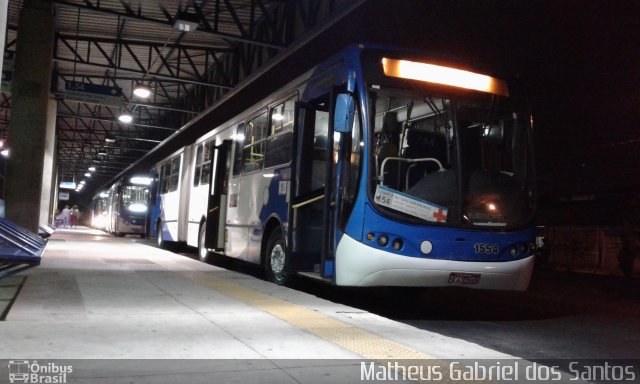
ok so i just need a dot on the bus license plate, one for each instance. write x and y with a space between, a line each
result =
464 278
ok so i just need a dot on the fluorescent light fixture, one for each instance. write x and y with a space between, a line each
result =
1 143
102 153
109 140
142 91
186 22
92 169
125 118
104 195
5 152
444 75
87 174
277 117
141 180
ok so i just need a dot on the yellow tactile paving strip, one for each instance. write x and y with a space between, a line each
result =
354 339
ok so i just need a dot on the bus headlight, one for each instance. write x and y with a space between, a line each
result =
137 208
426 247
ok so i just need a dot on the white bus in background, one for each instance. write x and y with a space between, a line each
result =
183 186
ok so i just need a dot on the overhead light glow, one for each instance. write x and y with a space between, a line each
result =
109 140
142 91
125 118
141 180
5 152
104 195
92 169
102 153
87 174
277 117
444 75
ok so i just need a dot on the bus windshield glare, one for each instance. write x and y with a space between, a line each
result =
455 161
135 198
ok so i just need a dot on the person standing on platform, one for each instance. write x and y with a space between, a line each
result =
66 216
74 216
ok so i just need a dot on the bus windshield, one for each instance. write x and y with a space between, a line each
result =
450 160
135 198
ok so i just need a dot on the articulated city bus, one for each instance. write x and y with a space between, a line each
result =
378 167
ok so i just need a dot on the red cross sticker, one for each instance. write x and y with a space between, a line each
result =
440 216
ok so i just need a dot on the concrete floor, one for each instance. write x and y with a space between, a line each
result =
99 297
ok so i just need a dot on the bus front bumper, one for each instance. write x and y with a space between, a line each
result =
362 266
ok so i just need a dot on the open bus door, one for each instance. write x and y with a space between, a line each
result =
312 209
217 201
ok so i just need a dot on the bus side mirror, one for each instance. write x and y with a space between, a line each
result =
343 116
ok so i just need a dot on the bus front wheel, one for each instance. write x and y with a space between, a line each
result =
275 261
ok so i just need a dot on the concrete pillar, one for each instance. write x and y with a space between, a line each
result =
4 5
30 113
49 176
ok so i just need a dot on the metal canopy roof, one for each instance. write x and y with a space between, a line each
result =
121 43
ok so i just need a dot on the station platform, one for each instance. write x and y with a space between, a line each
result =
95 296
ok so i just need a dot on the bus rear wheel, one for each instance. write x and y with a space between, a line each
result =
276 259
203 253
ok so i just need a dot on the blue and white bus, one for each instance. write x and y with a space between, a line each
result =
378 167
126 206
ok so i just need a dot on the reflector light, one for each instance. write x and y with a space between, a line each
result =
444 75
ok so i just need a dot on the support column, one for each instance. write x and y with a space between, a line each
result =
49 176
30 113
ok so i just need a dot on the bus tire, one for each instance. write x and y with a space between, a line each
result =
276 259
203 253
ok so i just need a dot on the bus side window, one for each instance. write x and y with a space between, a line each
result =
175 174
279 142
238 146
196 176
253 153
206 167
165 177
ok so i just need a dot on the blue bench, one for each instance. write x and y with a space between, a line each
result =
19 248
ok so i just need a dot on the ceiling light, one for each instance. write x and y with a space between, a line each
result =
87 174
102 153
92 169
142 91
125 118
5 152
109 139
186 22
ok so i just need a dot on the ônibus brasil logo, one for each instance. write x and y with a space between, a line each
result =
24 371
